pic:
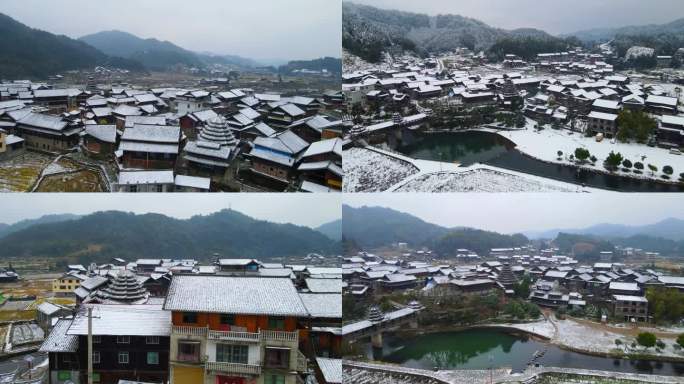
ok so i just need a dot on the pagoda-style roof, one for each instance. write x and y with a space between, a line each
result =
125 288
216 131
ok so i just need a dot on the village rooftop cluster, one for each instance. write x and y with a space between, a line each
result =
160 320
209 138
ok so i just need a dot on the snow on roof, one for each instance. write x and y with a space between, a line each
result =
238 295
267 97
145 177
237 261
152 133
325 146
673 120
265 129
292 110
630 298
193 181
131 121
58 340
123 320
106 133
331 369
204 115
40 120
48 308
620 286
324 285
602 116
250 113
93 282
603 103
665 100
127 110
328 305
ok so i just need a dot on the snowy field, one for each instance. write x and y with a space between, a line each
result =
378 170
545 144
477 180
600 339
369 171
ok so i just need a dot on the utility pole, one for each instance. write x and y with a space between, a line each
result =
90 345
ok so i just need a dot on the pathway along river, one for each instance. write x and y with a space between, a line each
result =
491 348
489 148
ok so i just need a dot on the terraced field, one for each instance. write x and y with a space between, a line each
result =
20 173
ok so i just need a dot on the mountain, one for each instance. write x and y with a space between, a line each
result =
330 64
376 226
6 229
100 236
605 34
370 32
32 53
156 54
671 228
332 230
475 240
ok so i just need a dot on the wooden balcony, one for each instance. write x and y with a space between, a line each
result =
263 335
280 336
234 336
232 368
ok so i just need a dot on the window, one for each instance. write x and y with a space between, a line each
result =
152 358
152 340
96 357
188 351
227 319
276 323
227 353
274 379
160 188
189 317
97 339
123 339
133 188
123 357
277 357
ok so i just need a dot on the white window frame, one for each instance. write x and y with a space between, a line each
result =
153 340
123 339
96 357
123 354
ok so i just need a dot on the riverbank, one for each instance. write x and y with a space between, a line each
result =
372 169
399 375
544 145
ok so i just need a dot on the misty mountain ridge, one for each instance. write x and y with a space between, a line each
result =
6 229
675 27
670 228
332 229
102 235
375 227
368 32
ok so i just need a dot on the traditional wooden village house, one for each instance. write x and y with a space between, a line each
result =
47 132
122 112
48 313
184 183
59 100
603 123
219 337
192 101
311 128
253 131
150 146
283 115
10 145
145 181
62 350
321 163
671 131
99 140
276 156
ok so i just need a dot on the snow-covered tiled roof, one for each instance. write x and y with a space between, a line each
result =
324 285
238 295
123 320
327 305
331 369
58 340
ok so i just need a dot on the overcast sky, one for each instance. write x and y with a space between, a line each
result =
310 210
259 29
554 16
519 212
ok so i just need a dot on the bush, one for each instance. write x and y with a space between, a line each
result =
660 344
680 340
618 342
646 339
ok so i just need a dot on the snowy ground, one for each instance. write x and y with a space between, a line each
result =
476 180
545 144
369 171
594 339
376 170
